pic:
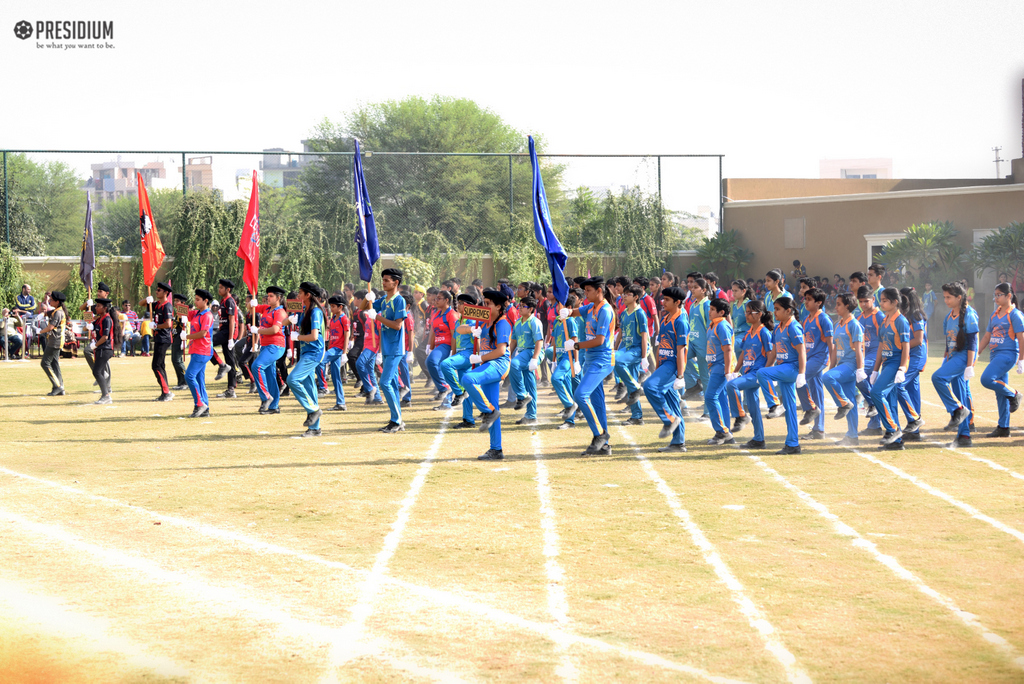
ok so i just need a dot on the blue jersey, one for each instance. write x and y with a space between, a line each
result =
558 330
817 329
919 354
1003 331
894 334
928 300
502 335
754 346
871 324
844 335
528 332
699 319
633 327
581 331
464 341
600 323
739 320
318 322
788 337
719 335
951 328
392 341
674 333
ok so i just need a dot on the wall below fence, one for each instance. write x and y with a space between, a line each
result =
54 272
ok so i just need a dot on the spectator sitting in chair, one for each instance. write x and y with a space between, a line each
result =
11 322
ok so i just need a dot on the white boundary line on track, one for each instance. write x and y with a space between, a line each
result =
558 604
977 414
991 464
756 618
347 646
967 508
890 562
437 596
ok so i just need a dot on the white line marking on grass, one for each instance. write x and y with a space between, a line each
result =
977 414
757 620
967 508
348 646
51 615
438 597
558 604
890 562
734 507
991 464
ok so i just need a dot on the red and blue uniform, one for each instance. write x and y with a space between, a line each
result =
272 348
753 348
1004 350
660 393
789 337
201 349
893 336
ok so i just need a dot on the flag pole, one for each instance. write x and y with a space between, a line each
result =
572 361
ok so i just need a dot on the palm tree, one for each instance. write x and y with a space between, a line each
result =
928 252
1002 251
724 255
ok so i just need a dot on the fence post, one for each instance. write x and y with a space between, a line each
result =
7 205
510 209
659 180
183 175
721 198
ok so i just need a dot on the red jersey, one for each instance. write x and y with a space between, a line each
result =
201 321
371 335
620 306
336 332
269 317
444 325
650 308
410 323
512 315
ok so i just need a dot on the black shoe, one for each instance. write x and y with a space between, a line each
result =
816 434
843 412
620 392
199 411
599 441
508 404
579 415
520 404
672 448
959 416
487 420
252 388
56 392
634 397
166 397
849 441
891 437
312 433
273 411
526 421
754 444
962 441
457 400
221 371
721 438
872 432
999 432
405 403
1015 402
738 424
604 450
463 425
105 399
872 411
776 411
323 392
893 446
392 427
491 455
566 426
692 394
914 425
439 396
667 430
635 421
809 416
265 407
338 407
787 450
911 436
227 394
180 387
312 418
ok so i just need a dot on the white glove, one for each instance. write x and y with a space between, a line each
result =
801 380
410 357
295 335
475 359
370 297
732 376
231 345
371 314
380 358
254 302
477 332
294 319
183 335
968 372
861 375
89 326
343 358
92 345
901 377
532 365
184 319
678 383
1020 367
569 345
645 365
429 349
577 368
564 314
874 376
254 330
88 302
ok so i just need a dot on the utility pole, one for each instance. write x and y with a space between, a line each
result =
996 150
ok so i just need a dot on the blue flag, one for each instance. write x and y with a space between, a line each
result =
366 230
87 262
553 249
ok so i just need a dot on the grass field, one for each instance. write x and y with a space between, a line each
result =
138 545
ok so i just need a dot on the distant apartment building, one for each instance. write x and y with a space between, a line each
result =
116 179
198 172
281 169
878 167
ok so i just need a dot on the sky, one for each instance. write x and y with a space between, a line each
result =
775 87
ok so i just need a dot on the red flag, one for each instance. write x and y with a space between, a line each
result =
249 246
152 249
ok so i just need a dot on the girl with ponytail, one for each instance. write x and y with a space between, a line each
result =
310 334
910 391
847 366
752 350
1005 339
786 365
890 370
950 380
483 383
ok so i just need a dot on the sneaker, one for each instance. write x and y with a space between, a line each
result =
566 412
738 424
604 450
520 404
721 438
487 420
958 416
672 448
491 455
526 421
692 394
56 392
787 450
264 407
273 411
810 416
180 388
579 415
872 411
323 392
312 433
816 434
1015 402
667 430
227 394
872 432
999 432
635 421
776 411
221 372
961 441
392 427
684 411
438 396
634 397
914 426
457 399
201 411
620 392
911 436
508 404
849 441
891 437
312 417
252 388
105 399
893 446
405 403
843 412
338 407
566 426
463 425
754 444
376 402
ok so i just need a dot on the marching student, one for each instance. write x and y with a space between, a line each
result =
699 320
454 368
631 354
847 366
443 324
227 336
1005 340
662 388
718 356
786 365
53 336
910 391
741 294
200 339
310 334
650 309
356 341
272 348
589 396
406 364
102 292
870 319
818 330
163 320
525 349
366 367
752 352
566 371
392 343
890 370
103 347
950 380
177 347
483 383
337 343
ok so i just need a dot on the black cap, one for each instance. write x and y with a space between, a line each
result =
467 299
274 289
496 296
58 296
336 300
102 300
227 283
103 286
165 287
205 294
310 288
393 273
178 297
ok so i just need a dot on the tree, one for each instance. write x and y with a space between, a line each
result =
929 252
1002 251
116 223
724 255
51 194
25 239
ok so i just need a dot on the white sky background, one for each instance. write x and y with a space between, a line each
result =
774 86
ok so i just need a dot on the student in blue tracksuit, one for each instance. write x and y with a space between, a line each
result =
392 313
751 356
699 319
870 319
662 388
631 354
272 345
786 365
847 366
950 380
564 377
818 343
718 355
741 294
454 368
483 383
910 391
589 396
891 364
310 333
526 346
337 346
442 329
1005 338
